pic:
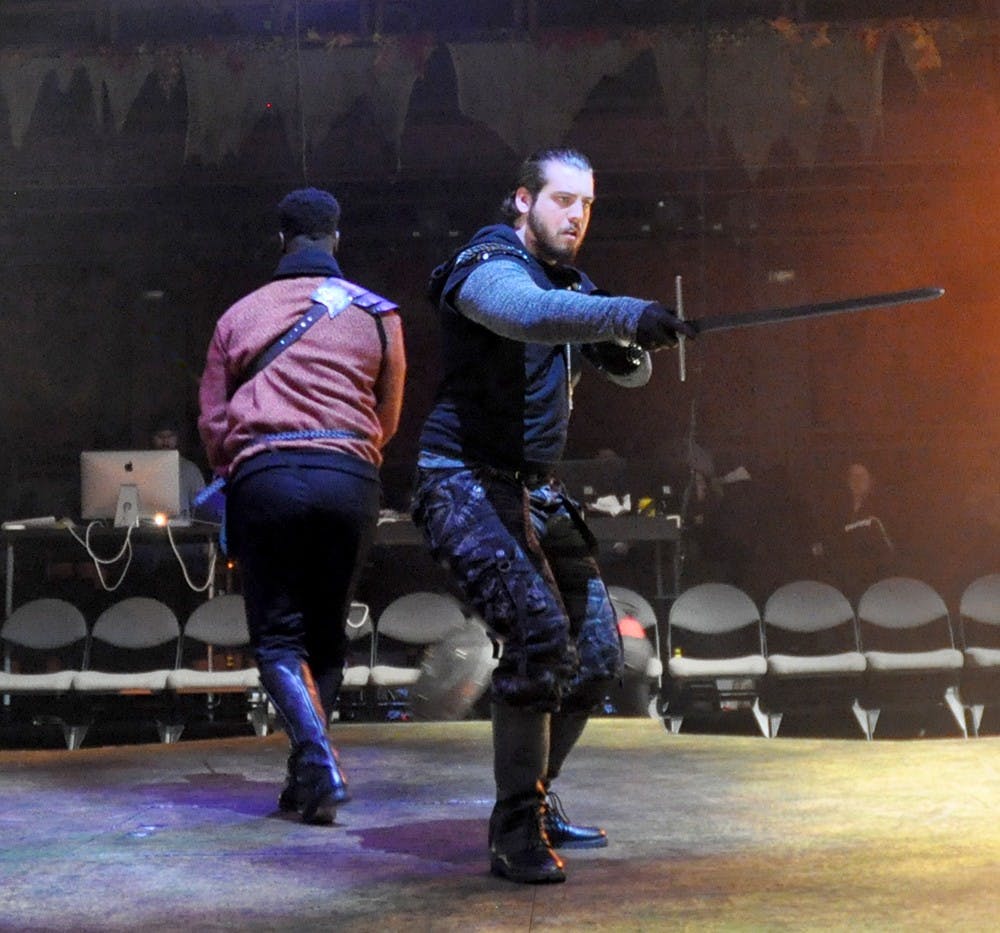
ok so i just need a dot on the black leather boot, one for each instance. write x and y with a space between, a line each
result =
290 798
328 686
563 834
564 731
315 784
519 848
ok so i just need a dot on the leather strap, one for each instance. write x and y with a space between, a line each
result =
332 297
290 336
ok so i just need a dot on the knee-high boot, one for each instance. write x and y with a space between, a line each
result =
316 784
328 689
564 731
519 848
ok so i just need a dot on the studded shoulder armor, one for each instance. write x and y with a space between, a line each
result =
339 293
485 251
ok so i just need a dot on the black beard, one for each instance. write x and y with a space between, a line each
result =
547 250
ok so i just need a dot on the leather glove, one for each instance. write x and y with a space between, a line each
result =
660 327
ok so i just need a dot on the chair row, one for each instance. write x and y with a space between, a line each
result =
811 650
425 653
55 668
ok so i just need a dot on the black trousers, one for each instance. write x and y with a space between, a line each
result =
525 565
300 524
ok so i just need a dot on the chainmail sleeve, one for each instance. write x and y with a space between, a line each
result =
501 295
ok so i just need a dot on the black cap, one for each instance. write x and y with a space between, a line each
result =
308 212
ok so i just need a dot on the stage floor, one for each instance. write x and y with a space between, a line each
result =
707 832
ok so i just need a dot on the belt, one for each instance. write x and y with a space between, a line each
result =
523 477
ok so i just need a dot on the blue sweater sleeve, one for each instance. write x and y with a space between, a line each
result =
502 296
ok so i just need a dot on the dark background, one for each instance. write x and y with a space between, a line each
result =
108 199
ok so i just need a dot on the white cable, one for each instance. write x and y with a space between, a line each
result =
127 548
180 560
99 561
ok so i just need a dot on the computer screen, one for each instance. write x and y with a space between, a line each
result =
587 480
154 474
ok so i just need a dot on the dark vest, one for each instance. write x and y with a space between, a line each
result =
501 401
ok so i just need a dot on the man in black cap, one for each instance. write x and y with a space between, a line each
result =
302 389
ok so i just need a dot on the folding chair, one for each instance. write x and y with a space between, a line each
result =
716 648
134 646
814 660
979 619
216 661
45 643
909 648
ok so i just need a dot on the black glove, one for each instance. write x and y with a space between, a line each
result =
659 327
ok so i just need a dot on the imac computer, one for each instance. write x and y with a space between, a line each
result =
129 485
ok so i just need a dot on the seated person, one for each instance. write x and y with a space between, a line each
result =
165 435
857 548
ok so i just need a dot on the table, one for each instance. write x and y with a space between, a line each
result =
661 530
105 537
399 531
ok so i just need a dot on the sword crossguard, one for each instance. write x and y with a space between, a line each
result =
681 339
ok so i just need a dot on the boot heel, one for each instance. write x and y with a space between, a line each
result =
319 811
544 871
317 794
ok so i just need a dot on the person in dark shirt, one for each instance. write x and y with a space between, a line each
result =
517 319
857 548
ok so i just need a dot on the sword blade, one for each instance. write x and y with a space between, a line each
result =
800 312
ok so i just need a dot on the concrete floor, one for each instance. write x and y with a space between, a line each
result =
708 832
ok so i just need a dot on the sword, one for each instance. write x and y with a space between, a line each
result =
706 325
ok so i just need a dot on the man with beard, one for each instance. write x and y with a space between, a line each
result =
516 320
